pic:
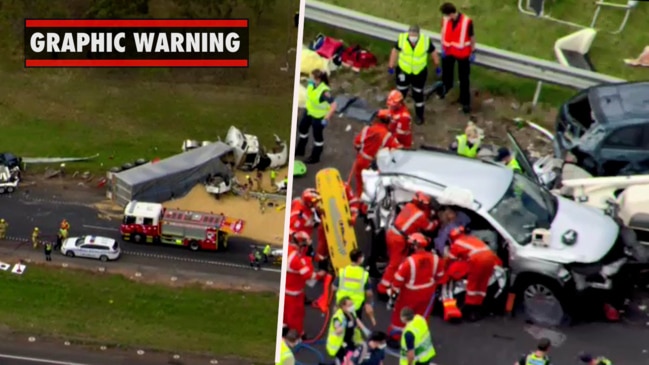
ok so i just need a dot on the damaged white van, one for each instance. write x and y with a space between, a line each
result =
554 250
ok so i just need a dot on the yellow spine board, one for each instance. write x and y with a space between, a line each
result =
336 217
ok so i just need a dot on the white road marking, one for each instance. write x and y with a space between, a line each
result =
169 257
112 229
34 359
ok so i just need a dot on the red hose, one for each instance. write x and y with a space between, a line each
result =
326 321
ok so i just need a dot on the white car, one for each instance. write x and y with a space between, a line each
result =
92 247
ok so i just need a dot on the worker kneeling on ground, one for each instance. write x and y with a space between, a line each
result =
468 144
505 157
400 119
471 257
299 270
419 215
345 331
369 142
415 283
416 344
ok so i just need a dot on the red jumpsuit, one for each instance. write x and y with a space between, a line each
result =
416 281
302 220
481 263
368 143
299 271
410 220
401 125
322 249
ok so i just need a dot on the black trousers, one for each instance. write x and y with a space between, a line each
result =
306 125
464 71
417 82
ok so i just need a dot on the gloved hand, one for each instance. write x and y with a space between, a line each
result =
367 332
391 71
472 57
310 83
325 122
438 71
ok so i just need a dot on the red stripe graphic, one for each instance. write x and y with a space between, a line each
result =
136 63
136 23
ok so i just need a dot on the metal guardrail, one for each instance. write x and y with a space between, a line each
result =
497 59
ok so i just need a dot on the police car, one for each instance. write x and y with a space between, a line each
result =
93 247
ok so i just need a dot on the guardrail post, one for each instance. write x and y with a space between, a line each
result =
537 93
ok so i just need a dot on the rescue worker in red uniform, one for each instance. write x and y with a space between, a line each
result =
322 248
369 142
299 270
458 46
415 282
481 264
303 214
416 216
400 119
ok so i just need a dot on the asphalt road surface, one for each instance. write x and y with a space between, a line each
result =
39 209
495 340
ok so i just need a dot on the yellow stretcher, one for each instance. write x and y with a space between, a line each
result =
336 217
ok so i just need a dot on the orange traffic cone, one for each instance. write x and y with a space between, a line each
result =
322 302
451 311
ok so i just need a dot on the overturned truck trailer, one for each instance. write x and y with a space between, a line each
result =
172 177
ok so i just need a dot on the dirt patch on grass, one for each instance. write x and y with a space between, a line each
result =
444 120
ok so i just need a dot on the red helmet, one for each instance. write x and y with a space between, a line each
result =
418 240
421 199
395 98
383 116
311 197
300 238
456 232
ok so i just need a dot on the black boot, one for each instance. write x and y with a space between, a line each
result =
472 313
300 149
315 155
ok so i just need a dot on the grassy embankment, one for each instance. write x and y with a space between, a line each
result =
112 310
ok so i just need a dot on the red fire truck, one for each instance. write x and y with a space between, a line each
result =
153 223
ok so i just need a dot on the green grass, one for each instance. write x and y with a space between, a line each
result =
128 114
499 24
111 310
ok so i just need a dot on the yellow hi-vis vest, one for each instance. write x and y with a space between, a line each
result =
351 283
412 61
285 353
513 164
463 147
334 341
533 359
424 349
314 108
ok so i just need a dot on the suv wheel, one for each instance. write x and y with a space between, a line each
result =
543 301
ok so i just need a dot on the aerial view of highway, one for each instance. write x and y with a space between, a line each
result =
142 210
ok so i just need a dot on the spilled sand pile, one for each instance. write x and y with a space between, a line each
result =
265 178
267 227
